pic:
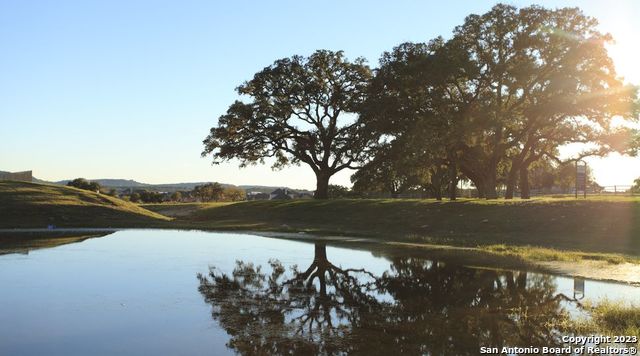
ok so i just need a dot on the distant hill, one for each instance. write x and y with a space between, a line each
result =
40 181
126 184
112 183
25 204
269 189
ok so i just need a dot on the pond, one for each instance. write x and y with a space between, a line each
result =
188 292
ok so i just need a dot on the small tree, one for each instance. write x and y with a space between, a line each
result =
233 194
636 186
303 110
208 192
84 184
134 197
176 196
339 192
151 197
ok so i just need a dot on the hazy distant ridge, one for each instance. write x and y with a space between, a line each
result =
122 184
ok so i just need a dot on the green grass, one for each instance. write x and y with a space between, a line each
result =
548 254
605 225
181 210
609 318
30 205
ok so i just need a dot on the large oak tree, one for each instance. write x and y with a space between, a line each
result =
301 110
542 78
410 105
508 89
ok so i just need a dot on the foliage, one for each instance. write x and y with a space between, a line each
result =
176 196
339 192
134 197
208 192
216 192
546 173
391 170
302 110
150 197
542 174
233 194
508 89
84 184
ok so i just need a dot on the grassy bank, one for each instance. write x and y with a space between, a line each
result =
593 225
609 318
30 205
561 229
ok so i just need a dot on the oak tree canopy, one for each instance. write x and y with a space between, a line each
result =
301 110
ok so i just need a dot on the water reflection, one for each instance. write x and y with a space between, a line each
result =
20 242
578 288
415 307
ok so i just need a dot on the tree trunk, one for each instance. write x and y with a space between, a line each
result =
517 163
490 191
477 180
511 183
480 187
438 177
438 193
322 185
320 253
453 180
453 189
321 261
524 183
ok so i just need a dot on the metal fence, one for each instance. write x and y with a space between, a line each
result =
610 190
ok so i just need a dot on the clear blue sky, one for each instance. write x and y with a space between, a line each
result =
129 89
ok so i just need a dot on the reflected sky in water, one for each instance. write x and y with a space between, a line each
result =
137 292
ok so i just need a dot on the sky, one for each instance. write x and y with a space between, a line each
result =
129 89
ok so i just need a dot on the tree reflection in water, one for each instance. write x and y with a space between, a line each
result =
416 307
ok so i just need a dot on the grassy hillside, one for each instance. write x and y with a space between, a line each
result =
38 205
603 225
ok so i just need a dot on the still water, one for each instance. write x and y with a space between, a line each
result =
155 292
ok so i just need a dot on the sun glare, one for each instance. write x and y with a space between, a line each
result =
625 50
619 22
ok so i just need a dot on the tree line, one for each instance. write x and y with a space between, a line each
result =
208 192
497 99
